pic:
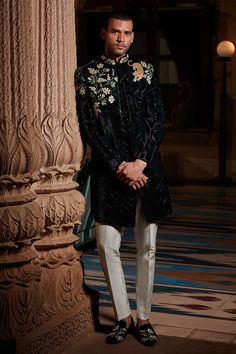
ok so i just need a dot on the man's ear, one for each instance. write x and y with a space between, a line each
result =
103 33
132 37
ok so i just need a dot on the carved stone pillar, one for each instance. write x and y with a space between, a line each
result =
43 304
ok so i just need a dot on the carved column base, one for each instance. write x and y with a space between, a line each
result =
62 335
21 222
67 310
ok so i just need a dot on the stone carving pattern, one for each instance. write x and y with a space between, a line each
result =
21 218
72 328
21 223
61 283
19 157
59 125
61 203
19 299
18 114
38 128
60 262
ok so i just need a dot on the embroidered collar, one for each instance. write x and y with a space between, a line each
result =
110 61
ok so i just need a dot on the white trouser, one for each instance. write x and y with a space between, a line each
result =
108 244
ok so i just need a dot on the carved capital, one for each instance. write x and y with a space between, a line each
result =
21 218
62 205
17 189
55 179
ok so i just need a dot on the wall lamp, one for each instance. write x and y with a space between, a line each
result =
225 50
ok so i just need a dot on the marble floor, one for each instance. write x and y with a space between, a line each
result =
195 280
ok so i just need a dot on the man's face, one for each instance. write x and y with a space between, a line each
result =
118 37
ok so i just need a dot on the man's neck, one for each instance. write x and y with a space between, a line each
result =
116 58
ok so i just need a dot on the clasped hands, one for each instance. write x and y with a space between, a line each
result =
131 173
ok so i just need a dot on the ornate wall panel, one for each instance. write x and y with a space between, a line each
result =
40 150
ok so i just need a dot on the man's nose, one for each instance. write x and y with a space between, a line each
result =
121 37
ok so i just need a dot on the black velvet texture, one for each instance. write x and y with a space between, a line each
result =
121 117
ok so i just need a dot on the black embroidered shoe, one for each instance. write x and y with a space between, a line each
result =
119 332
146 335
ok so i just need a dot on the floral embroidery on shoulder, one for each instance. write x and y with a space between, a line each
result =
92 71
101 82
148 71
100 65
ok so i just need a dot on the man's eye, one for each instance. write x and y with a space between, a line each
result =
127 34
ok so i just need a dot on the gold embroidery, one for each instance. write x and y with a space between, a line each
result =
138 71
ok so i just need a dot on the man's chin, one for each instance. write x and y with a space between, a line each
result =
120 52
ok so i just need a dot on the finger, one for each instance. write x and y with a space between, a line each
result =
141 184
138 185
139 180
121 166
129 177
124 179
144 180
125 173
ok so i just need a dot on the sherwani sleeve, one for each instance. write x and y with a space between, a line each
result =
154 121
90 127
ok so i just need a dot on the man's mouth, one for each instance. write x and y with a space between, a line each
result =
120 46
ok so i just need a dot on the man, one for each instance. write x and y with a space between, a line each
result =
122 119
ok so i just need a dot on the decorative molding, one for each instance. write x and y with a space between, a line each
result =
21 218
62 274
17 189
18 101
19 294
56 179
63 206
69 331
21 223
58 118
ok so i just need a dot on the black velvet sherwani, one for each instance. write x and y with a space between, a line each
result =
121 117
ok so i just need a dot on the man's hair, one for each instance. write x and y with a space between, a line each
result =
119 15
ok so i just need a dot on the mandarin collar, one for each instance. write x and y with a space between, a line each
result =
110 61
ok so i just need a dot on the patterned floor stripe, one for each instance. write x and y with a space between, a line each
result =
195 280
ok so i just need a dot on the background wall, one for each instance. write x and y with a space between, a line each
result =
193 155
188 154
